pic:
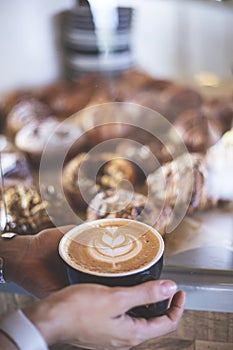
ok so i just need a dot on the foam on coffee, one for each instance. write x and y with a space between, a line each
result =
111 246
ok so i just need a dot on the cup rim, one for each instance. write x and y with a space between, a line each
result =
64 242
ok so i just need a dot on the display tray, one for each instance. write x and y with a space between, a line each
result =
204 240
199 257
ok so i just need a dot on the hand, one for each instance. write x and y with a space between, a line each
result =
33 261
94 316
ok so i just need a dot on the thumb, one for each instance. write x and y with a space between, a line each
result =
147 293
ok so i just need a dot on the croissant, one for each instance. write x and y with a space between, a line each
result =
196 181
134 206
90 173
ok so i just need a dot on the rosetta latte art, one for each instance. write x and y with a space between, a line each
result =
105 248
113 246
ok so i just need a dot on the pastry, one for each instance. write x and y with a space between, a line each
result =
195 130
60 139
26 210
219 113
183 183
67 98
177 99
128 205
131 82
85 175
23 113
67 102
149 94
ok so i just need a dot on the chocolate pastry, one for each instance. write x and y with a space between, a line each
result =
26 210
219 113
149 99
58 138
183 183
196 131
177 99
131 82
149 94
85 175
128 205
67 102
67 98
23 113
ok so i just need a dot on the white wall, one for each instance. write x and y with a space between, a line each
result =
28 54
182 38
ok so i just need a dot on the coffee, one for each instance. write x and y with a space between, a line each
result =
112 247
115 252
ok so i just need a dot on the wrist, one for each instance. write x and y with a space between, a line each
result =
41 315
13 252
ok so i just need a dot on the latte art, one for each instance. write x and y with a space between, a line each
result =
100 248
115 247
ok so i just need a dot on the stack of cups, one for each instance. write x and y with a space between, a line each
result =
96 39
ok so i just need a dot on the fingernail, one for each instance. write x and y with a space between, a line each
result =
168 287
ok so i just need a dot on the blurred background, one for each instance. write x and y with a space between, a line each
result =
191 41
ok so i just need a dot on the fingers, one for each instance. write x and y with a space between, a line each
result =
177 306
169 322
145 293
162 325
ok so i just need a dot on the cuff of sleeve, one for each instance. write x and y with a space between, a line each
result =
22 332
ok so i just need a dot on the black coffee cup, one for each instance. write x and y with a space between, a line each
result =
150 271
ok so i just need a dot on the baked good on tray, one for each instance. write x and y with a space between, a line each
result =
177 99
87 174
26 210
58 138
29 212
184 183
197 132
24 112
130 205
219 112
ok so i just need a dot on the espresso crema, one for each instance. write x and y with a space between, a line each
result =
111 247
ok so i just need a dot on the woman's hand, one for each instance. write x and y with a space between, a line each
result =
94 316
33 261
